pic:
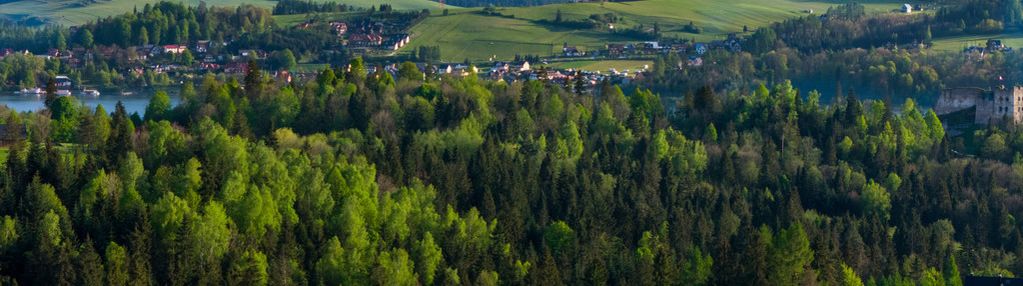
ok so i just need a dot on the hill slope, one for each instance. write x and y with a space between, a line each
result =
467 34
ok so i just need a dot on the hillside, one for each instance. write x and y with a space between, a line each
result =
465 33
76 12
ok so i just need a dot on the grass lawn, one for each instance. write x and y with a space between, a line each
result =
466 34
603 66
74 12
3 155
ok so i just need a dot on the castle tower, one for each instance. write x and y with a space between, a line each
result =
1007 103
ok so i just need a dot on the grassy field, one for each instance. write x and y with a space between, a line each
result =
77 12
467 34
1014 40
603 66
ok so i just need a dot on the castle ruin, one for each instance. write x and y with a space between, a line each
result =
991 105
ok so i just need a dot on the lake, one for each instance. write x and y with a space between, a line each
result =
132 103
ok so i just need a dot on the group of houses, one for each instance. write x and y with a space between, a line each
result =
367 35
992 45
691 49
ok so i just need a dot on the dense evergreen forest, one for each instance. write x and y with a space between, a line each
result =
356 178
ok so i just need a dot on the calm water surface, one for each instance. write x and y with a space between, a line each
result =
132 103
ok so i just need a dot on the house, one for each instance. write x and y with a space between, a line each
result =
397 42
365 40
615 49
907 8
205 66
283 76
694 61
994 45
174 49
525 67
202 46
700 48
252 53
5 52
339 27
236 68
570 51
63 82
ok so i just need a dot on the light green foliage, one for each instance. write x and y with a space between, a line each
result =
951 272
64 112
789 256
409 71
686 156
488 278
428 258
934 124
333 266
697 269
211 235
394 268
101 188
191 176
846 145
116 264
168 216
249 269
49 236
165 142
451 277
849 277
876 200
559 236
932 277
285 107
44 200
158 106
9 232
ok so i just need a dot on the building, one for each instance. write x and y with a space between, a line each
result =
570 51
993 45
907 8
62 82
174 49
988 105
700 48
202 46
339 27
365 40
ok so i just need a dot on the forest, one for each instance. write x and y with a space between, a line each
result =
357 178
722 174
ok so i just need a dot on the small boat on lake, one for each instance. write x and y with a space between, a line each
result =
90 92
127 93
63 92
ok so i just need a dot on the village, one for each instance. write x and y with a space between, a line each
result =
380 42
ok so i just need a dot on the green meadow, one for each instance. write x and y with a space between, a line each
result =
958 43
603 66
464 33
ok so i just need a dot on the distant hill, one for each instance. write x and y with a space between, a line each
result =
503 3
77 12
